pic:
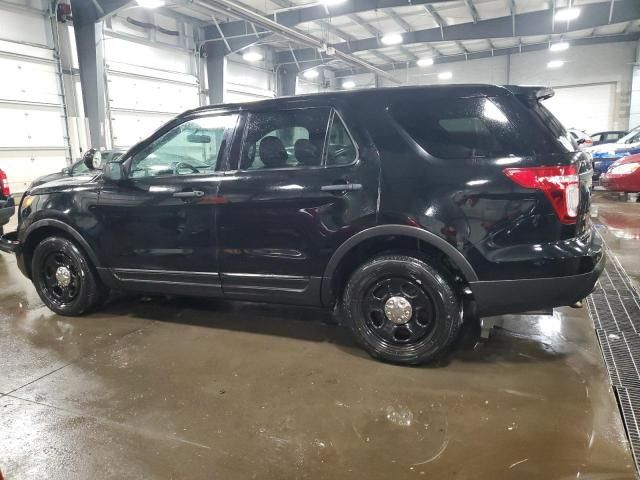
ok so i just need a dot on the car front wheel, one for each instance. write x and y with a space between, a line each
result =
64 279
402 310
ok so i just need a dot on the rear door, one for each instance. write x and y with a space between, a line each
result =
298 186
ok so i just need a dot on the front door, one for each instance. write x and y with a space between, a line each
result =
297 189
159 224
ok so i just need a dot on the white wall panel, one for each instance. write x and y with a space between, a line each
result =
22 167
245 83
590 108
28 81
134 93
31 126
33 131
24 27
125 51
130 128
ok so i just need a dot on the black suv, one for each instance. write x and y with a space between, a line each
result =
397 205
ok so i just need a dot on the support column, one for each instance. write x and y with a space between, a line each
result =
287 77
90 47
216 72
634 101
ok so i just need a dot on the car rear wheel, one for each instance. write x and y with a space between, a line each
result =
402 310
64 279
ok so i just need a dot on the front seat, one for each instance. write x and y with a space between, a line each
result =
272 152
306 153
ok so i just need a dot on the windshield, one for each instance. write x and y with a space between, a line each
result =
632 137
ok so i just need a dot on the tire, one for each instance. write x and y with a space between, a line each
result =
58 261
419 333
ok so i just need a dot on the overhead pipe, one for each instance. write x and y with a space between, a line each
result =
231 8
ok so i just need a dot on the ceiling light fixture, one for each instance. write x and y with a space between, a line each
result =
150 3
348 84
391 39
555 64
252 56
567 14
559 47
311 74
445 75
424 62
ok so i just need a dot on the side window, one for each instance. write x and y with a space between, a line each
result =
340 148
193 147
285 139
459 128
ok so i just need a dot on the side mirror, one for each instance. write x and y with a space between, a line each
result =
113 172
66 171
92 159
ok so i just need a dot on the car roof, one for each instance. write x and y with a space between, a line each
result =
314 99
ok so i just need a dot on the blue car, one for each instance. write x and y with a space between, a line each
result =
604 155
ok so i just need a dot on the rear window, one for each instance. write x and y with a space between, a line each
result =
459 128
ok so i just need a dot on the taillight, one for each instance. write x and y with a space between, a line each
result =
559 184
4 184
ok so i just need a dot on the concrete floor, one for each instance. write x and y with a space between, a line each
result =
184 388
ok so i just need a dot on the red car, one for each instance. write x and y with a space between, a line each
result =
623 175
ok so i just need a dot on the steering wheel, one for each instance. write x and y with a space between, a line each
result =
179 165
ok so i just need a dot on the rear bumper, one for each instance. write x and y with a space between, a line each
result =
9 243
6 213
498 297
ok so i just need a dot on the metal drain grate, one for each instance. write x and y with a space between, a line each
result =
614 307
630 405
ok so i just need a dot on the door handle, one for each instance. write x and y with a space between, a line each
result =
191 194
341 187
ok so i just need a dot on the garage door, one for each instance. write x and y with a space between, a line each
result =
247 84
589 108
144 96
33 138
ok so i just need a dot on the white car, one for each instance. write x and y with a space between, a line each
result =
629 141
581 137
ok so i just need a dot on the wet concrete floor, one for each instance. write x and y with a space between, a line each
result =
182 388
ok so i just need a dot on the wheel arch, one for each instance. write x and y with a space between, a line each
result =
328 293
41 229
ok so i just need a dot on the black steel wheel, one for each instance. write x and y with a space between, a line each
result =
63 277
402 310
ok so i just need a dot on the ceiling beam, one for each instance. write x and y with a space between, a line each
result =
86 12
525 24
401 22
257 19
473 10
504 51
315 11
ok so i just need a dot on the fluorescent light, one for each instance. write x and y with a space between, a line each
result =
348 84
311 74
252 56
331 3
391 39
150 3
559 47
445 75
567 14
555 64
425 62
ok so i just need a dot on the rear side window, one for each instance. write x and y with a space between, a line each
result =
459 128
284 139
